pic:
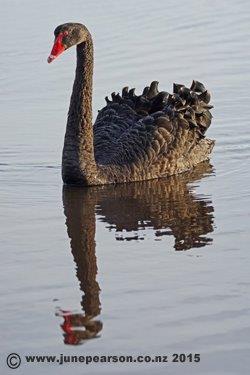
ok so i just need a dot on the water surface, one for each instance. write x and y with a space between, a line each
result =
147 268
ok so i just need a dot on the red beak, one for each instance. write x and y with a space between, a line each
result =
57 49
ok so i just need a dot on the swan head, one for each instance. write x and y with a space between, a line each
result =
66 36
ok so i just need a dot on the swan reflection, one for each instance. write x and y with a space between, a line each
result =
166 207
80 222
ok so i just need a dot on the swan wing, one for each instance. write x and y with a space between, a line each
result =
152 127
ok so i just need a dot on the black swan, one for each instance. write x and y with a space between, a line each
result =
134 138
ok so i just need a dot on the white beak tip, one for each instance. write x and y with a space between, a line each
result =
51 58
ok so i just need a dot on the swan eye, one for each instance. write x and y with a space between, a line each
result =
66 39
64 35
58 31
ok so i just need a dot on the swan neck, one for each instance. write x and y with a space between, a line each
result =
78 164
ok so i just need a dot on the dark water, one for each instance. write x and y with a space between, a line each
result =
158 267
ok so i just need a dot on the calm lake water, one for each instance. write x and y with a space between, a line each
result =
152 268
